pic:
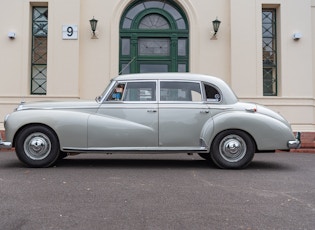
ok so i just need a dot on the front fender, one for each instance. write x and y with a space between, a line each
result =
267 132
70 126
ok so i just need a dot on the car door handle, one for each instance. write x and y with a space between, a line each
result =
204 111
151 110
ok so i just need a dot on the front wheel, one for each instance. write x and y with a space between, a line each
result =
37 146
232 149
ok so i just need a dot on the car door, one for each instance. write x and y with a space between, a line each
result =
182 115
127 119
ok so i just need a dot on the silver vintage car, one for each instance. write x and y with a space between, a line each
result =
150 113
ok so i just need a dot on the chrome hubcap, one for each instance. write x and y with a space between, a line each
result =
232 148
37 146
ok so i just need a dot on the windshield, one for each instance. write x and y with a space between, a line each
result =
100 98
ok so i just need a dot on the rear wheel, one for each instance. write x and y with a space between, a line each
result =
37 146
233 149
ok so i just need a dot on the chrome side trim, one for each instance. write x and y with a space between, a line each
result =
137 149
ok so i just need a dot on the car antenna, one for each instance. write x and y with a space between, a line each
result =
127 65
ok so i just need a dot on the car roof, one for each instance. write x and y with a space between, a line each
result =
168 76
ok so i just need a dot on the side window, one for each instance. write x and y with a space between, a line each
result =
212 94
180 91
117 93
140 91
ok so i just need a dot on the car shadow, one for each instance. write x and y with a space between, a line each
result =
195 163
134 163
268 165
148 162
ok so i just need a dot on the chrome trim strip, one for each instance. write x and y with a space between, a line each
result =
136 149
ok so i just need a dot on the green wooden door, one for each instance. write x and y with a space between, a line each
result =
154 37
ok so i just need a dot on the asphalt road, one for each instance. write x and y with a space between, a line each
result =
277 191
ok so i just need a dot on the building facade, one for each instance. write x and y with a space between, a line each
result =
265 50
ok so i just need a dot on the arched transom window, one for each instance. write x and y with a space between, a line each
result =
154 37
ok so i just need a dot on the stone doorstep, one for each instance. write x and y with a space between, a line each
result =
308 143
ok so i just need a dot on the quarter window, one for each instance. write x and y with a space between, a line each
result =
212 94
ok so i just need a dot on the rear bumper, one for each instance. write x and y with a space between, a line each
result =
296 144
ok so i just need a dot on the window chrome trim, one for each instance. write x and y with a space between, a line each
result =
179 102
110 90
205 95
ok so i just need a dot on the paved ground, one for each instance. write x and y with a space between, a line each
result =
277 191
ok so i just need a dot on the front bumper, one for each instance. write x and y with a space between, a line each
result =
5 145
296 143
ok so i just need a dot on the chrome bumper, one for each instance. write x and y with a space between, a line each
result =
5 145
296 143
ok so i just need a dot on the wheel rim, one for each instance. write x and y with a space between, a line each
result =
233 148
37 146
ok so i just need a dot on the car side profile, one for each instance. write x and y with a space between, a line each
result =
150 113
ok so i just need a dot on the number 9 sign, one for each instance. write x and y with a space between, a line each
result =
69 32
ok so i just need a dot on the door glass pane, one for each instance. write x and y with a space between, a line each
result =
125 68
125 46
140 91
154 46
182 68
182 47
152 68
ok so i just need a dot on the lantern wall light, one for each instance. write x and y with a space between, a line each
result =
216 24
93 23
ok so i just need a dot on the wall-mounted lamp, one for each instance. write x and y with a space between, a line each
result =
93 23
11 35
297 36
216 24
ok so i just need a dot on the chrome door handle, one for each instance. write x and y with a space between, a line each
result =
204 111
151 110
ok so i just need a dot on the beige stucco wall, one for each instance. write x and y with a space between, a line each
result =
82 68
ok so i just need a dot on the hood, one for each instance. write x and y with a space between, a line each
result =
67 105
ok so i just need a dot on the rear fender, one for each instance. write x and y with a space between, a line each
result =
267 132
